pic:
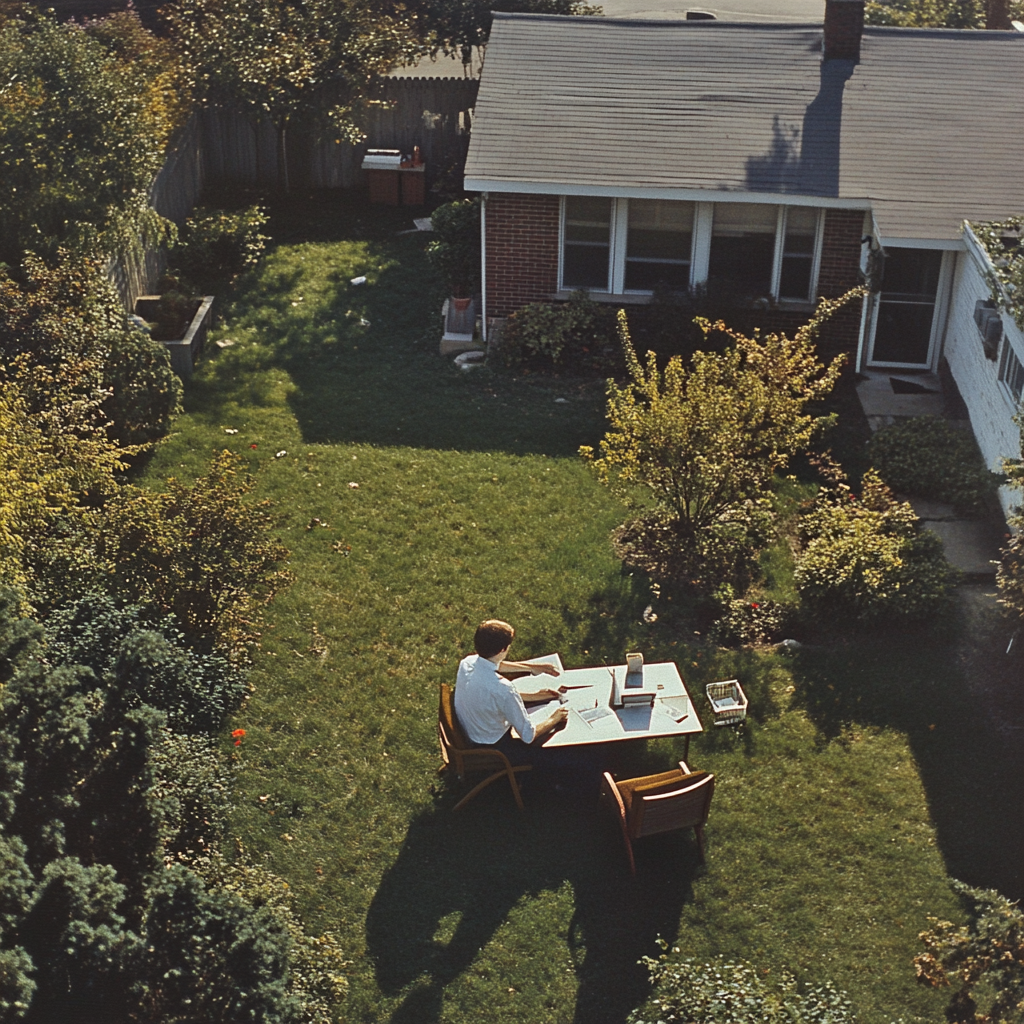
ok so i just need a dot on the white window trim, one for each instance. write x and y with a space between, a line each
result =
700 249
1007 347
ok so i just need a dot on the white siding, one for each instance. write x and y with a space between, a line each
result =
988 403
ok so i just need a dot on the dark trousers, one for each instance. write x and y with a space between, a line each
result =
575 768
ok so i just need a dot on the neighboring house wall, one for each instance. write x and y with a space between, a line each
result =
989 402
521 250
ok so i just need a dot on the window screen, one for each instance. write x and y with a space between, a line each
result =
1011 373
743 247
658 246
798 253
588 223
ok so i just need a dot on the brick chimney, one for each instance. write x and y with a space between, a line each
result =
844 25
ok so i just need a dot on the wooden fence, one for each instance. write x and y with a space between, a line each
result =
226 147
432 113
176 190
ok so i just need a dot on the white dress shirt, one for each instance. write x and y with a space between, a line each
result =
486 704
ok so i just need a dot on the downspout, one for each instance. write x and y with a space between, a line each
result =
871 235
865 302
483 267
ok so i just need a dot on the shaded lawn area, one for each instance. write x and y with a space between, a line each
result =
838 810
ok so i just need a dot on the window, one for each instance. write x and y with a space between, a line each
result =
658 245
588 230
743 247
753 250
800 235
1011 373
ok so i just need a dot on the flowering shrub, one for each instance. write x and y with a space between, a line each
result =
726 991
750 622
868 559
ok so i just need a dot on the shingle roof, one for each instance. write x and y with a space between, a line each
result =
926 129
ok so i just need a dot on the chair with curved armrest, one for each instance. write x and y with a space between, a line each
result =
464 759
674 799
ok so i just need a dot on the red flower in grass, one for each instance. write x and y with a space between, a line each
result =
238 734
252 446
754 604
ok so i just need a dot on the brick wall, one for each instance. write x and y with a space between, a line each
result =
522 250
839 272
522 265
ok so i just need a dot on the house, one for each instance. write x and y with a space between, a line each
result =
784 162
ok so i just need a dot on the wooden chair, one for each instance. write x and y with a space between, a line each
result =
464 759
660 803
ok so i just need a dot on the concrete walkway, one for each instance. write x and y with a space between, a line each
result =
971 545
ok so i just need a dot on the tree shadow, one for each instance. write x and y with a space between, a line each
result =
476 866
363 359
915 684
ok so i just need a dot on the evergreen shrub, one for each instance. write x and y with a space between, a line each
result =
927 457
578 333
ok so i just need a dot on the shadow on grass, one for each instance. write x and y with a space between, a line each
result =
478 865
915 685
364 359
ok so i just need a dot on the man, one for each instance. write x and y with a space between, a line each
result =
487 705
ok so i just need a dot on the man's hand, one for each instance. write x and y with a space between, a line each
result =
554 721
544 669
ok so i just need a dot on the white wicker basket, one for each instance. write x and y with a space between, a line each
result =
728 701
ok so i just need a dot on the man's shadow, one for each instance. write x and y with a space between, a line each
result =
458 876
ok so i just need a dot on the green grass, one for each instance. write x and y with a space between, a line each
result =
839 808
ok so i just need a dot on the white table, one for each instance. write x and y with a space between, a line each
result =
595 687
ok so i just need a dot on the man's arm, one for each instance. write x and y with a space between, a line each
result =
535 669
552 722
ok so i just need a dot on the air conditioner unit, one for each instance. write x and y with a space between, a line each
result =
990 326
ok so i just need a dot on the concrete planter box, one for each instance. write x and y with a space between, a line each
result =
184 351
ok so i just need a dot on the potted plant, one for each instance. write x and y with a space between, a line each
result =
456 250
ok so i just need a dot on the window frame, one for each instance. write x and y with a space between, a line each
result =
1001 375
700 250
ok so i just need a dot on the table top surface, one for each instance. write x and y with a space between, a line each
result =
594 691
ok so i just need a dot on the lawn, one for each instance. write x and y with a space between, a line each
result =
417 499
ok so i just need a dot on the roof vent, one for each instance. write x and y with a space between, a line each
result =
701 16
844 25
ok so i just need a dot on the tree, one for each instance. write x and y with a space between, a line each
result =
79 146
290 61
695 448
456 250
990 14
986 958
457 26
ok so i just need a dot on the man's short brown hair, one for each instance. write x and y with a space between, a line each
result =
492 637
